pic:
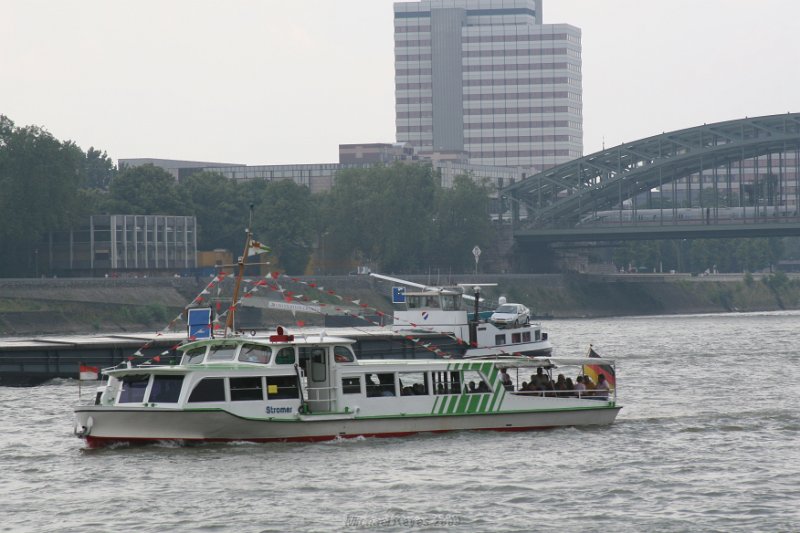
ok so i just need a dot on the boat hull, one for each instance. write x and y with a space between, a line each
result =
102 426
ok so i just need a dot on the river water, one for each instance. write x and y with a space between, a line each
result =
708 440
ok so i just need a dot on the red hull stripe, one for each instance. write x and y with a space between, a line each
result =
99 442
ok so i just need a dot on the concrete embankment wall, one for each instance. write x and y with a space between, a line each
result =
48 306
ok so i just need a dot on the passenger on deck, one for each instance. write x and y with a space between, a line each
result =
540 381
472 388
483 387
560 385
601 390
505 379
570 387
580 388
589 385
418 388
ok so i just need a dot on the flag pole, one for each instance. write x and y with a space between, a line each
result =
229 321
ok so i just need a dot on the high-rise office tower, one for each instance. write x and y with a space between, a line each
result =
486 77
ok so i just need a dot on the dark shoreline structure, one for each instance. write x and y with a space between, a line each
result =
44 323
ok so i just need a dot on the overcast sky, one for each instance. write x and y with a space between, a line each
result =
269 82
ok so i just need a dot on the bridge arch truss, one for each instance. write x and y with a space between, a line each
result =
750 163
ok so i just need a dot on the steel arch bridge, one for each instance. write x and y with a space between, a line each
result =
737 177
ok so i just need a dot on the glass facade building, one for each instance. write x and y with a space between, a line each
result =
126 242
488 78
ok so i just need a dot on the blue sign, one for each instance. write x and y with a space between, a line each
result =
398 295
199 323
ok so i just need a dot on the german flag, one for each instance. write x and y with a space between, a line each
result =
595 370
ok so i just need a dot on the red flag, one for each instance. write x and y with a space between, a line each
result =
88 373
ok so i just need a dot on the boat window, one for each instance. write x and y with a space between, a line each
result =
380 385
526 336
254 353
282 387
246 389
474 382
351 385
194 356
166 389
499 339
208 390
413 302
319 368
221 352
342 354
446 382
285 356
451 302
515 338
132 388
412 383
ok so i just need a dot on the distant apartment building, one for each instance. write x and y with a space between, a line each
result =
488 78
143 243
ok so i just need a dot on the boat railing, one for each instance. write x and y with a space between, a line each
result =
610 395
316 393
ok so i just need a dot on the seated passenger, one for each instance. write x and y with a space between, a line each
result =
570 387
601 389
407 391
418 388
560 385
472 388
580 388
483 387
589 384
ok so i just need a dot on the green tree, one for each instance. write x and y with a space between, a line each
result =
222 214
98 170
461 222
146 190
383 215
283 221
39 180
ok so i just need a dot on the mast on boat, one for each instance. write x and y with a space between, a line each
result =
229 322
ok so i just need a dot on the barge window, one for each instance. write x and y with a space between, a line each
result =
282 388
221 352
133 388
526 336
351 385
499 340
208 390
253 353
413 383
166 389
382 386
446 382
246 389
342 354
515 338
194 356
285 356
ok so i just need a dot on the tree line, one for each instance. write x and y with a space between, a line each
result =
394 218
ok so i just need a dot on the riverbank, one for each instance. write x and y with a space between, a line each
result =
61 306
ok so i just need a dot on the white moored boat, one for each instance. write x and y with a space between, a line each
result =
441 309
288 388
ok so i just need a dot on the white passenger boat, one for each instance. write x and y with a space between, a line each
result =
309 388
288 388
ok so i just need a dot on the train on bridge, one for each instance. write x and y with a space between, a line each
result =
691 215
